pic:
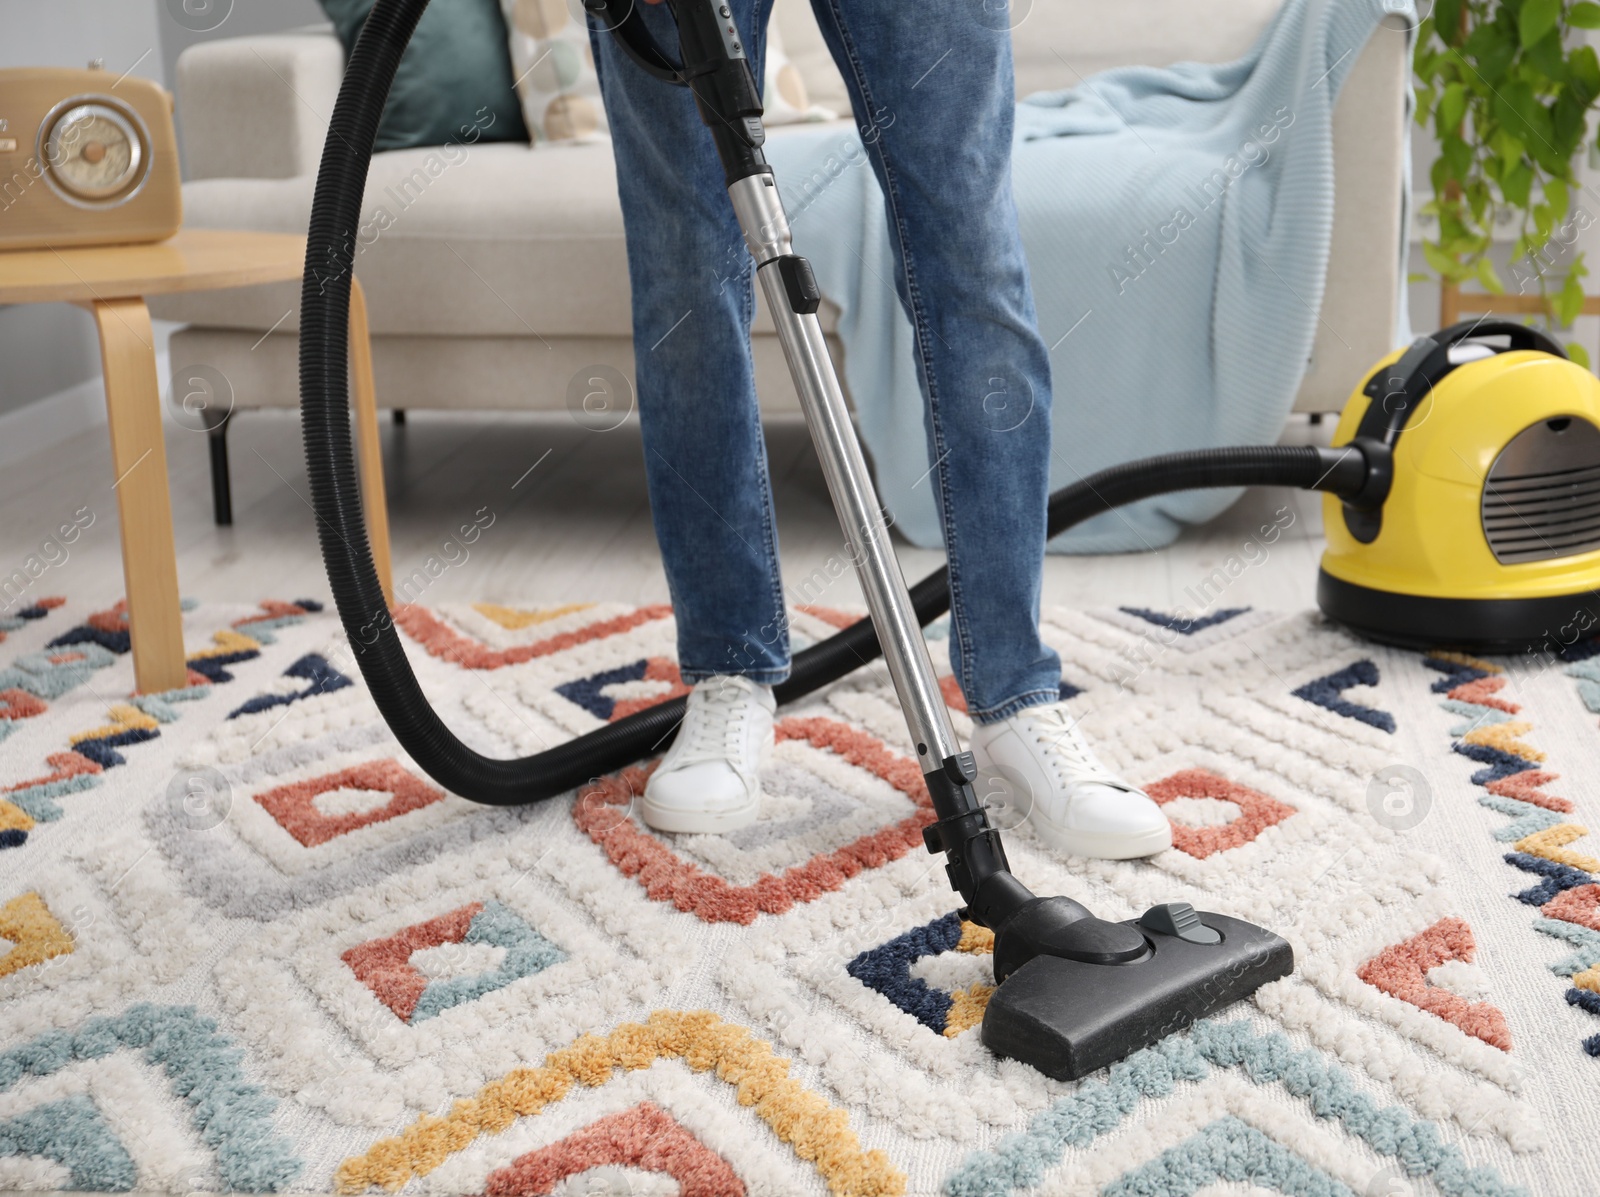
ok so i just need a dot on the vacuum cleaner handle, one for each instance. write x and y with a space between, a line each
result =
1398 389
622 18
1522 336
714 67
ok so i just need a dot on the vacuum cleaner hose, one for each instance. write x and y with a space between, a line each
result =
341 528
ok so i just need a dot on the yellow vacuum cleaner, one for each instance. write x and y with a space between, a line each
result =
1480 523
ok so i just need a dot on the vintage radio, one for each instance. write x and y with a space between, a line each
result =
86 158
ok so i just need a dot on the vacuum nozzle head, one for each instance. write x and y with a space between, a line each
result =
1069 1017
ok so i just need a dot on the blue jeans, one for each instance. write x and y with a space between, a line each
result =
931 85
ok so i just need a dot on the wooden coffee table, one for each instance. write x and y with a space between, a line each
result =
111 281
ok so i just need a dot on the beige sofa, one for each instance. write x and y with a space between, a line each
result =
496 274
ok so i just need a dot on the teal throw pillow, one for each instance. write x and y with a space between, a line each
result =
454 82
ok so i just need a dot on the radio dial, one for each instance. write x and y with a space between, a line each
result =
93 151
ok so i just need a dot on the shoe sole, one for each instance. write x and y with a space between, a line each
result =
1098 845
1103 847
698 822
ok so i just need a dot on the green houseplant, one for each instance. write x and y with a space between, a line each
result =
1508 93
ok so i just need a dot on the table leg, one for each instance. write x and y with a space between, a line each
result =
139 463
364 398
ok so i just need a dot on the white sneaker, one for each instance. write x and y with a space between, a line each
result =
710 779
1072 801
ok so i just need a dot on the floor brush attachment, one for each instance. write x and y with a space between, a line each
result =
1088 992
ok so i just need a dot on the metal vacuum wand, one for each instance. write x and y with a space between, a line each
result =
716 69
963 833
1073 1005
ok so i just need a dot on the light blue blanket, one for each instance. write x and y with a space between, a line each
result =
1177 224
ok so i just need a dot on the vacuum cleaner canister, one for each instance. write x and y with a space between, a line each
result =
1485 534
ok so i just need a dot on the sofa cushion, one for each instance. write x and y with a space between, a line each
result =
484 240
454 82
784 95
554 65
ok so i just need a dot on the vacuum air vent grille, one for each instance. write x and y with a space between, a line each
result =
1542 497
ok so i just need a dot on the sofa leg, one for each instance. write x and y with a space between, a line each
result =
399 417
221 490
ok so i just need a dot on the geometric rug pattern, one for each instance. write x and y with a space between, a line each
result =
247 944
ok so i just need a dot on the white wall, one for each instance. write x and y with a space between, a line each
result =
244 17
70 32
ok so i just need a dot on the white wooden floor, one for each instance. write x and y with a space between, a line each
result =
576 527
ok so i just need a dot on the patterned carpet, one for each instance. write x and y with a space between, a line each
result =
253 947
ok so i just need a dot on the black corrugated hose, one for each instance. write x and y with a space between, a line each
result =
324 405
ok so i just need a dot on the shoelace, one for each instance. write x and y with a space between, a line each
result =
715 723
1070 757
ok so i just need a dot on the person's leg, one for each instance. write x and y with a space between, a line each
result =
932 90
693 301
705 460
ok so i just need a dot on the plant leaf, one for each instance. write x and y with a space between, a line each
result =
1557 196
1567 120
1515 185
1456 154
1584 15
1452 107
1492 46
1447 20
1569 301
1547 59
1446 265
1537 18
1583 72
